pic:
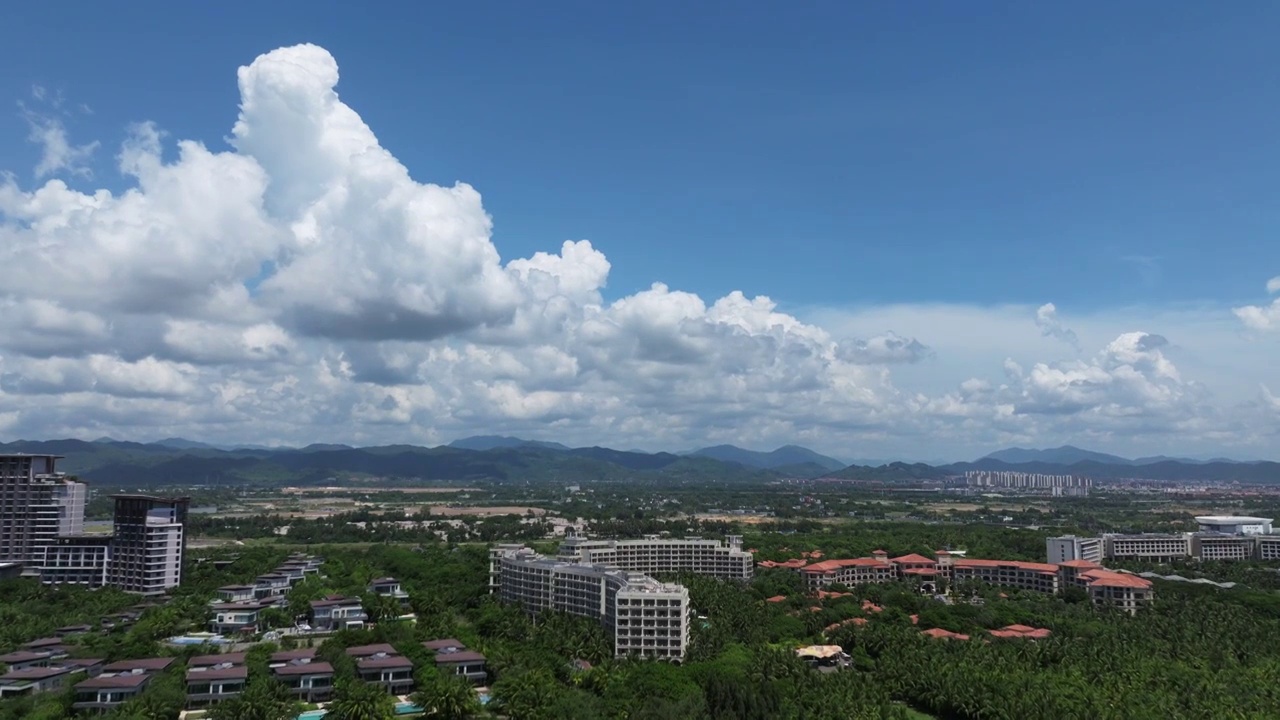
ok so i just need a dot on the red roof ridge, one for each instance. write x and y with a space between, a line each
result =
914 558
941 634
832 565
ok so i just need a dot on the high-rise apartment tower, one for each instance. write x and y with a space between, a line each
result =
37 504
149 544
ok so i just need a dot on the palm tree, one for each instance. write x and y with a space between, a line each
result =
356 700
446 698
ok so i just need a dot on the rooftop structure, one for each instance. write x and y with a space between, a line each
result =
1235 524
1020 632
941 634
826 658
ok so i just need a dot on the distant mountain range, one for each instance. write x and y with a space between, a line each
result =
493 442
117 463
1070 455
787 455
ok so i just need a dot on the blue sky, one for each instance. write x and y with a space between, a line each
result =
831 154
933 170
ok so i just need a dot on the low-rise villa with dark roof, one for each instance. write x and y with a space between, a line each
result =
208 661
23 659
452 657
235 593
34 680
309 680
271 585
337 613
118 683
46 644
236 618
388 587
285 656
393 672
209 685
361 651
106 692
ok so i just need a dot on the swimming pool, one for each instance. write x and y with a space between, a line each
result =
312 715
407 708
197 640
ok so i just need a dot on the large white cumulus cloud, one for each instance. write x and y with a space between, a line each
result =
302 285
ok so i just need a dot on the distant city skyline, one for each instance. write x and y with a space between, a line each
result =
874 232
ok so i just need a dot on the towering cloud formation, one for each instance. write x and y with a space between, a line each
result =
303 286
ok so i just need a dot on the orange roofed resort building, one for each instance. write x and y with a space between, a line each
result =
1105 587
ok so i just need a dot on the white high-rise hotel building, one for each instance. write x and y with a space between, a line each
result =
606 580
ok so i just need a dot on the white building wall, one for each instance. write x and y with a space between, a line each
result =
1069 547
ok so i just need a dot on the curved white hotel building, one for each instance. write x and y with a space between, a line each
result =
652 554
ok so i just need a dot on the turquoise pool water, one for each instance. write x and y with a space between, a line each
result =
407 708
484 698
312 715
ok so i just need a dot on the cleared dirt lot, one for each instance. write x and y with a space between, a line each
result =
454 510
356 489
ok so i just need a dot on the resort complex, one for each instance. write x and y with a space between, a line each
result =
1104 587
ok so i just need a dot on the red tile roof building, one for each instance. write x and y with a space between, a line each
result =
857 571
1020 631
1105 587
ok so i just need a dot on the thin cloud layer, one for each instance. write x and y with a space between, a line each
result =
46 129
302 286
